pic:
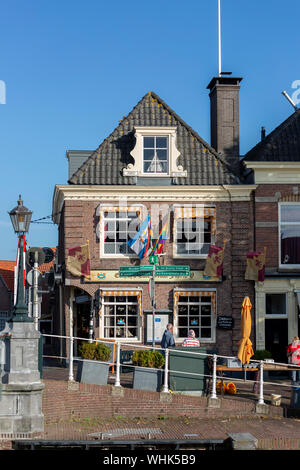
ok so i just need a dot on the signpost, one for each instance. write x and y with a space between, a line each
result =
154 271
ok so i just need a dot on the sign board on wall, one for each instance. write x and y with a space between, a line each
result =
112 275
160 323
225 323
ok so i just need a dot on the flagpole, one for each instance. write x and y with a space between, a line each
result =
219 34
153 308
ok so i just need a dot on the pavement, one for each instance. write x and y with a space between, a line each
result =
272 433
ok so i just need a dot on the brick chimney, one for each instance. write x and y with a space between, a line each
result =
224 117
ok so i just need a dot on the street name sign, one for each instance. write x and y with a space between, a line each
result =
180 271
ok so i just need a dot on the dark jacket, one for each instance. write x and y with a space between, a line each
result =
167 340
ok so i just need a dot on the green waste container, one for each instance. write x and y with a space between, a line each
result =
180 363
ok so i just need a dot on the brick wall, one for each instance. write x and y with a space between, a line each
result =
62 402
234 225
266 217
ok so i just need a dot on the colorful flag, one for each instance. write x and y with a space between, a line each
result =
255 270
158 246
141 242
78 262
214 261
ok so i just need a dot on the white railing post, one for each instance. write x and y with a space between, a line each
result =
261 384
214 378
117 382
166 371
71 372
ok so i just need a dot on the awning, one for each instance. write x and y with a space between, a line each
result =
121 293
178 294
197 212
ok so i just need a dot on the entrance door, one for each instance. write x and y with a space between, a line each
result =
277 338
83 319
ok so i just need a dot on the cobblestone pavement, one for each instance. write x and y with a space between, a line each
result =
271 433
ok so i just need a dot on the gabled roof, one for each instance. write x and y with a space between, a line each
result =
281 145
7 273
104 167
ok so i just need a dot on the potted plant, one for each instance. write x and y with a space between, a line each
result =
147 371
95 366
261 354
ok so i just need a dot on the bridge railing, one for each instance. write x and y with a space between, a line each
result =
215 374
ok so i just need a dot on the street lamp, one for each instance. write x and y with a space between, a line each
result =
20 217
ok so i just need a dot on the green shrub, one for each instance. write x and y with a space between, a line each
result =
148 358
94 351
262 354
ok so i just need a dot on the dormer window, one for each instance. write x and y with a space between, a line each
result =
156 155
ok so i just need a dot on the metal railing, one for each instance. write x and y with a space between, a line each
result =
255 365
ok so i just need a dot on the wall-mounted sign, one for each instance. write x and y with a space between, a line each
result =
114 276
225 323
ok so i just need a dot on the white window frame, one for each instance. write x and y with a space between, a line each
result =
280 205
153 173
192 255
276 316
212 339
102 318
128 208
137 168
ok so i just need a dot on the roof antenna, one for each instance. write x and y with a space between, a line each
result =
219 32
289 99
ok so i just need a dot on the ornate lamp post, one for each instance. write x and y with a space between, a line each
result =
21 400
20 218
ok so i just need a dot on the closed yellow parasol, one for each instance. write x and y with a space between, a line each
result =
245 351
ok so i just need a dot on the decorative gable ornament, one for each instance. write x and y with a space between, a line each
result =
136 169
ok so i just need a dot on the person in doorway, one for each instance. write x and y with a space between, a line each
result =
293 354
168 338
191 340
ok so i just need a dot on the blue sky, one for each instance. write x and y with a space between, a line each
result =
73 69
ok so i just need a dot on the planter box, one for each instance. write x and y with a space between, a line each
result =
147 379
92 372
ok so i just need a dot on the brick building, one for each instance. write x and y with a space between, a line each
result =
154 163
275 169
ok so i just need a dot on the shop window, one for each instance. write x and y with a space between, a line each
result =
121 316
194 231
195 310
289 216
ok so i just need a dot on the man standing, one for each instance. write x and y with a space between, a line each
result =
168 338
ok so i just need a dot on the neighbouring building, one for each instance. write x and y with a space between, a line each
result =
275 169
7 300
154 163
